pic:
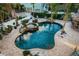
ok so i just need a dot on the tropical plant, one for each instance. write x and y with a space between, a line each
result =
33 8
8 30
53 7
66 16
24 22
17 18
23 8
20 17
26 53
1 15
16 6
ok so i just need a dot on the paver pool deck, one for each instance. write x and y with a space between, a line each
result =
63 46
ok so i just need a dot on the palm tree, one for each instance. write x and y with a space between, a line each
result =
2 15
4 11
1 19
18 6
66 16
53 7
14 12
33 8
8 8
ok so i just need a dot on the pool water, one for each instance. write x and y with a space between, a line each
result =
43 38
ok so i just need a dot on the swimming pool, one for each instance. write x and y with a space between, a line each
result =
43 38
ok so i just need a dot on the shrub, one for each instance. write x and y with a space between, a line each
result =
9 29
26 53
15 27
43 15
35 21
24 22
20 17
2 31
13 23
40 15
1 37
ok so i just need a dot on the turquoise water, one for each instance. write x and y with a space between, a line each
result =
43 39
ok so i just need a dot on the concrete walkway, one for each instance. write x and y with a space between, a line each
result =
63 46
7 44
67 44
73 35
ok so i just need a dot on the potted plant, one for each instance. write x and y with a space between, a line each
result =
24 22
26 53
8 30
14 25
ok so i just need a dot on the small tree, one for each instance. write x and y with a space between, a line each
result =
24 22
53 7
17 18
66 16
2 17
